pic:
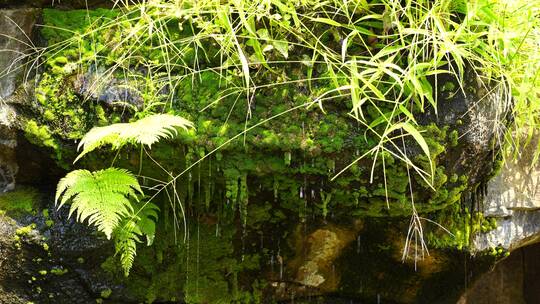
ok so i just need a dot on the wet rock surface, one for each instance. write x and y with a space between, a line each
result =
514 280
16 27
513 197
46 258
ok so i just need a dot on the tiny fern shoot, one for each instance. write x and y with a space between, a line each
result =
101 197
145 131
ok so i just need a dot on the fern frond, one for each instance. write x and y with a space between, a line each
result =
126 238
147 215
127 235
102 197
145 131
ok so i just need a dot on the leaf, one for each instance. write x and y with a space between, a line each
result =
355 91
102 197
409 115
327 21
259 52
417 137
146 131
127 235
282 46
147 215
125 244
344 46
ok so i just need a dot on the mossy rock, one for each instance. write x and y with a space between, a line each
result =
20 202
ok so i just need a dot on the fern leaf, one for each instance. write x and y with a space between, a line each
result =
145 131
147 215
102 197
127 235
125 242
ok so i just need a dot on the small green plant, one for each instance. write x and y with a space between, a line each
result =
102 197
111 199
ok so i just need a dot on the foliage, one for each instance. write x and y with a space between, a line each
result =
22 201
145 131
102 197
386 55
110 199
314 86
128 233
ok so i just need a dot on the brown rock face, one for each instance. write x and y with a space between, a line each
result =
513 281
313 268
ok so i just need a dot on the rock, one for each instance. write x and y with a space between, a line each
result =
514 280
47 258
517 187
8 163
317 254
522 228
472 112
513 197
97 85
16 28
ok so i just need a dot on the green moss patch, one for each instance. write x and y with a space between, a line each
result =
24 200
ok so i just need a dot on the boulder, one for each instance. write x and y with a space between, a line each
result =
513 198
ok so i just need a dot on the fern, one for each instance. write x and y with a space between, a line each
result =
101 197
145 131
127 235
108 198
126 238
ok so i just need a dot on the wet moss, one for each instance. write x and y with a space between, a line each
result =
205 269
20 202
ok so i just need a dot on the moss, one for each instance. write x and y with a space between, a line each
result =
59 271
453 138
75 21
461 226
204 270
105 294
25 231
22 201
